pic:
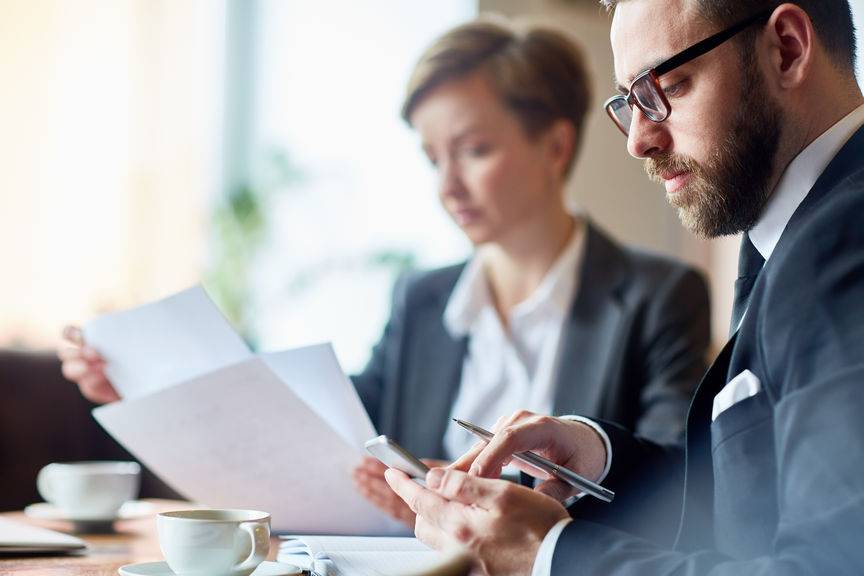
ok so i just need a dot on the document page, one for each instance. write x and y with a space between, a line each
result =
165 342
314 374
240 438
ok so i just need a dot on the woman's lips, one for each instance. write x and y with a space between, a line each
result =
465 216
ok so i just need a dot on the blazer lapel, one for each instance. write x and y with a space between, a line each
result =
591 328
433 383
697 518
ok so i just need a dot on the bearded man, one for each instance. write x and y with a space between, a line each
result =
749 113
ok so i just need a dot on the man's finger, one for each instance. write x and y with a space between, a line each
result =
516 417
461 487
421 501
556 489
430 534
529 434
464 462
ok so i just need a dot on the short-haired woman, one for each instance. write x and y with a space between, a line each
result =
549 314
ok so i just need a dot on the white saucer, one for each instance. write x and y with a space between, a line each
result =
129 511
162 569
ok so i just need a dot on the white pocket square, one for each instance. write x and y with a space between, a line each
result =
741 387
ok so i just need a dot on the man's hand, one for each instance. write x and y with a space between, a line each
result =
571 444
85 367
369 479
501 523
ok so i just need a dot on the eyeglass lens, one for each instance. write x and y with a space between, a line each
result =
646 93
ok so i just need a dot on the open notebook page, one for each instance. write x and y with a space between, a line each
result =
347 555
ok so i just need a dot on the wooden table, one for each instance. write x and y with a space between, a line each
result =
134 541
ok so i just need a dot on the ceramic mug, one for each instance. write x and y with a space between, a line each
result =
214 542
89 490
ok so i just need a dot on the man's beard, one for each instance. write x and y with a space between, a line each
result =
726 195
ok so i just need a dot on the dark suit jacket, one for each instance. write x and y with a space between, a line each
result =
634 347
775 485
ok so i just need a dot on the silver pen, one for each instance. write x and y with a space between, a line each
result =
559 472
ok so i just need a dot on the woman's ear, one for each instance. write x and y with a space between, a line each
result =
561 144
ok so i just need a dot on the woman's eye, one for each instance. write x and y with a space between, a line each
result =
476 151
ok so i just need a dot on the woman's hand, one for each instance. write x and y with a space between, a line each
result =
84 366
369 479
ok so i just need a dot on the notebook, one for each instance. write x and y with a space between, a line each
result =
19 538
351 555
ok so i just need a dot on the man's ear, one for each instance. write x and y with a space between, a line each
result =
792 43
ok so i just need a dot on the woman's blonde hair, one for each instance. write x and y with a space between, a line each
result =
537 71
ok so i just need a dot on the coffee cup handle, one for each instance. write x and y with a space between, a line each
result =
44 483
260 535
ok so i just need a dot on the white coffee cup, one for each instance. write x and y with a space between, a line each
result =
214 542
89 490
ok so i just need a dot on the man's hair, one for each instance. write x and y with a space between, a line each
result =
538 72
832 20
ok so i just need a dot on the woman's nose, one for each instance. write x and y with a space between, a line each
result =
450 183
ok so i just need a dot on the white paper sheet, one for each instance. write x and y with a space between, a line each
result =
239 437
314 374
165 342
16 537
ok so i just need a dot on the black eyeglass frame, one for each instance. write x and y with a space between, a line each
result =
688 54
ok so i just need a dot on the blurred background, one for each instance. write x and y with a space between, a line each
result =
256 146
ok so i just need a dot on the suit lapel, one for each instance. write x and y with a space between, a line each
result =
845 162
432 386
591 328
697 518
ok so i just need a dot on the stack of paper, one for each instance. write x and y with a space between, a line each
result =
347 556
277 432
17 538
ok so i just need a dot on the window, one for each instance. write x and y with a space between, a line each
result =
363 201
110 116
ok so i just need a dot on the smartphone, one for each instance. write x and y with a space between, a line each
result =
394 456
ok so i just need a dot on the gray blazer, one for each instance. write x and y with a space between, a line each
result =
633 351
774 485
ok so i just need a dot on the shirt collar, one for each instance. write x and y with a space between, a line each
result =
471 294
797 180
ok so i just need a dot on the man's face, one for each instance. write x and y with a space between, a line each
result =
715 152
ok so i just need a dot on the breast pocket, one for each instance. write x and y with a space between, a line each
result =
739 417
745 498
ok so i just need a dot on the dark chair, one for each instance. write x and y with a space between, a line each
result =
44 419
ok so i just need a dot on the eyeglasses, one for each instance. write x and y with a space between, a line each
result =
645 91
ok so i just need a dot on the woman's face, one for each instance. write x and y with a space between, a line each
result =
493 178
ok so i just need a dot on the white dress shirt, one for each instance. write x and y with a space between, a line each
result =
792 188
505 370
798 179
